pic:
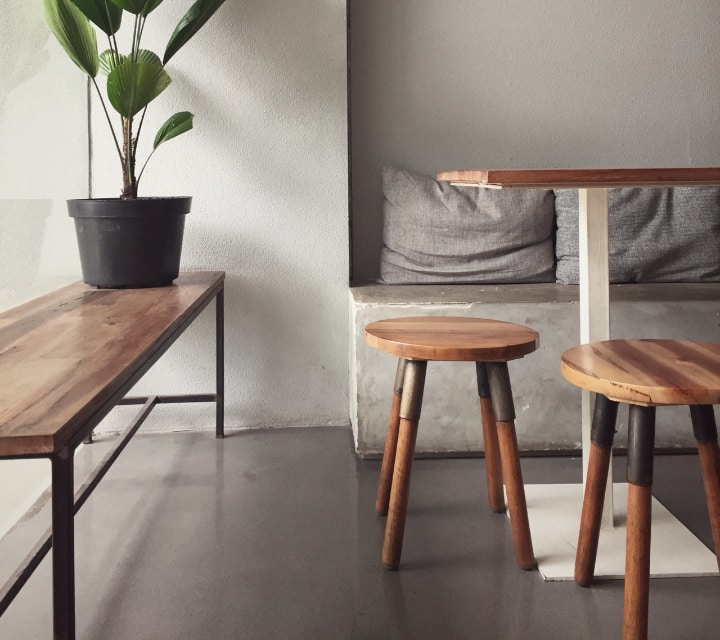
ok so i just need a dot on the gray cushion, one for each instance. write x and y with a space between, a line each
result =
436 232
655 235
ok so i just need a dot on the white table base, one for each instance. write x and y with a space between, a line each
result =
554 513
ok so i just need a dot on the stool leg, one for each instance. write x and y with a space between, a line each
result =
410 406
641 439
601 440
705 430
493 466
504 409
388 461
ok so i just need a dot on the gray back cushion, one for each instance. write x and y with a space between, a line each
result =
655 235
437 233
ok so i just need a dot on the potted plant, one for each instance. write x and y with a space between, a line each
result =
127 241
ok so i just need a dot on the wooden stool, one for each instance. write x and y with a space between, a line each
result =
488 343
643 374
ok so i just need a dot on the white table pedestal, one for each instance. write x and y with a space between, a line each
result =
554 510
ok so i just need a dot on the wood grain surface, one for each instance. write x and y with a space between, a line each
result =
583 178
452 338
647 372
64 355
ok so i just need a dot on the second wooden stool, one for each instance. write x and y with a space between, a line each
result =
642 374
488 343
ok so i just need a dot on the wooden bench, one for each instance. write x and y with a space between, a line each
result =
66 359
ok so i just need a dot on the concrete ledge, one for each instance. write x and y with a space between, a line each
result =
547 407
513 293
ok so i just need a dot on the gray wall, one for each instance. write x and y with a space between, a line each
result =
558 83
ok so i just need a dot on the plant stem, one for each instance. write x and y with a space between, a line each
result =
107 116
137 182
135 39
137 134
129 181
111 37
140 30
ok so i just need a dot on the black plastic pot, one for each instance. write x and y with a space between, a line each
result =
129 244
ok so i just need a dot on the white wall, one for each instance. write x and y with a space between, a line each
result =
267 168
43 156
558 83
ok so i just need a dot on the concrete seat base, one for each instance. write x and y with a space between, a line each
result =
548 411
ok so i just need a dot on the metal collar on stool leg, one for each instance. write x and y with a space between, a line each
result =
400 375
501 391
413 387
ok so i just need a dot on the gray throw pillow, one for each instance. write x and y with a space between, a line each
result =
437 233
655 235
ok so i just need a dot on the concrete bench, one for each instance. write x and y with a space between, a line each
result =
548 408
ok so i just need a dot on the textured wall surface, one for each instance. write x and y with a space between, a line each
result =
266 165
478 84
43 155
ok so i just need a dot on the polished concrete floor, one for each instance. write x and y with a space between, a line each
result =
272 535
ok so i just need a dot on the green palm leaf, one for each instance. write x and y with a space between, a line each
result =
131 86
150 5
74 33
175 125
109 60
190 24
138 6
145 55
106 15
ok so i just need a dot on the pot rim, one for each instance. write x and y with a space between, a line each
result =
137 208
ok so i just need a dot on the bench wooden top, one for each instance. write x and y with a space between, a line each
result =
65 355
647 372
449 338
583 178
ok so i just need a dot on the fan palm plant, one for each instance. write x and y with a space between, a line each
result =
135 78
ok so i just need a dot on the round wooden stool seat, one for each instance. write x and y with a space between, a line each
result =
647 372
490 344
452 339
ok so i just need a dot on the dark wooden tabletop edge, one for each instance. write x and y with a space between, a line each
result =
584 178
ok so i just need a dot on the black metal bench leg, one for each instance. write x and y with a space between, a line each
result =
63 546
220 364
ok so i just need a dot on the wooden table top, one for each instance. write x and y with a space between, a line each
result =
448 338
647 372
583 178
64 356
